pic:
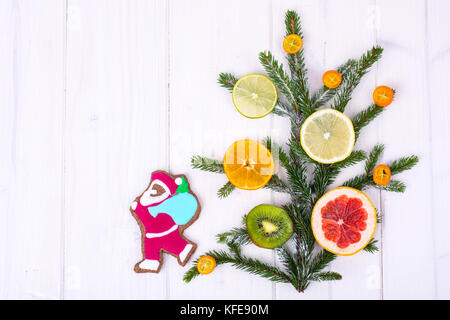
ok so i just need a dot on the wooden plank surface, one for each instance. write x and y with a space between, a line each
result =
98 94
32 108
117 132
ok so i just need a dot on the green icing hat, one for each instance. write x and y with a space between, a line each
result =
182 185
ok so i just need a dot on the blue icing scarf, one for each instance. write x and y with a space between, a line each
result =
180 207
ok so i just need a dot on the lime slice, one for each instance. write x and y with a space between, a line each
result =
254 95
327 136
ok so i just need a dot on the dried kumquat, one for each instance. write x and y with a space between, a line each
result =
206 264
382 175
383 96
331 79
292 43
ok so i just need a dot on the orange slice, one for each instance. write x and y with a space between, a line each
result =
206 264
382 175
248 164
383 96
292 43
332 79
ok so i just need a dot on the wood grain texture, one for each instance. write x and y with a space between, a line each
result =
32 95
98 94
117 133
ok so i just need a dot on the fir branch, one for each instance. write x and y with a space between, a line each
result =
371 246
237 235
262 269
226 190
321 261
301 223
402 164
325 174
206 164
363 118
325 276
299 185
355 76
289 263
276 184
297 65
373 158
393 186
325 94
227 80
221 257
250 265
298 152
292 23
359 182
279 77
280 112
277 151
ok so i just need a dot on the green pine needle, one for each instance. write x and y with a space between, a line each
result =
276 184
227 80
354 77
371 246
206 164
326 276
403 164
366 116
226 190
373 158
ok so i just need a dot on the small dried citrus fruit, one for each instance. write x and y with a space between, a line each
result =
383 96
248 164
292 43
206 264
382 175
332 79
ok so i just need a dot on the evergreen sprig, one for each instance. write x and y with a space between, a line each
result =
227 80
207 164
303 264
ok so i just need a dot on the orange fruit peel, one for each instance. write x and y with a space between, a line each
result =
248 164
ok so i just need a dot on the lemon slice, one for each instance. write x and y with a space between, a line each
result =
327 136
254 95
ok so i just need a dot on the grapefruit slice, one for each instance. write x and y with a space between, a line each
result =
343 221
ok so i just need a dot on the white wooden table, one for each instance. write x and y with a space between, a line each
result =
96 94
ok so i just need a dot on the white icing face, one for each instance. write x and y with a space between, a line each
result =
149 197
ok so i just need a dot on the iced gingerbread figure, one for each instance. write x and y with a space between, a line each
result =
165 209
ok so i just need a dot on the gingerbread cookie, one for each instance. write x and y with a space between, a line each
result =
165 209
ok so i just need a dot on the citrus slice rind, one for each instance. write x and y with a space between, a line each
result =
343 221
254 96
248 164
327 136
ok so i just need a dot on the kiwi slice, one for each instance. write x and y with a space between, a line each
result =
269 226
